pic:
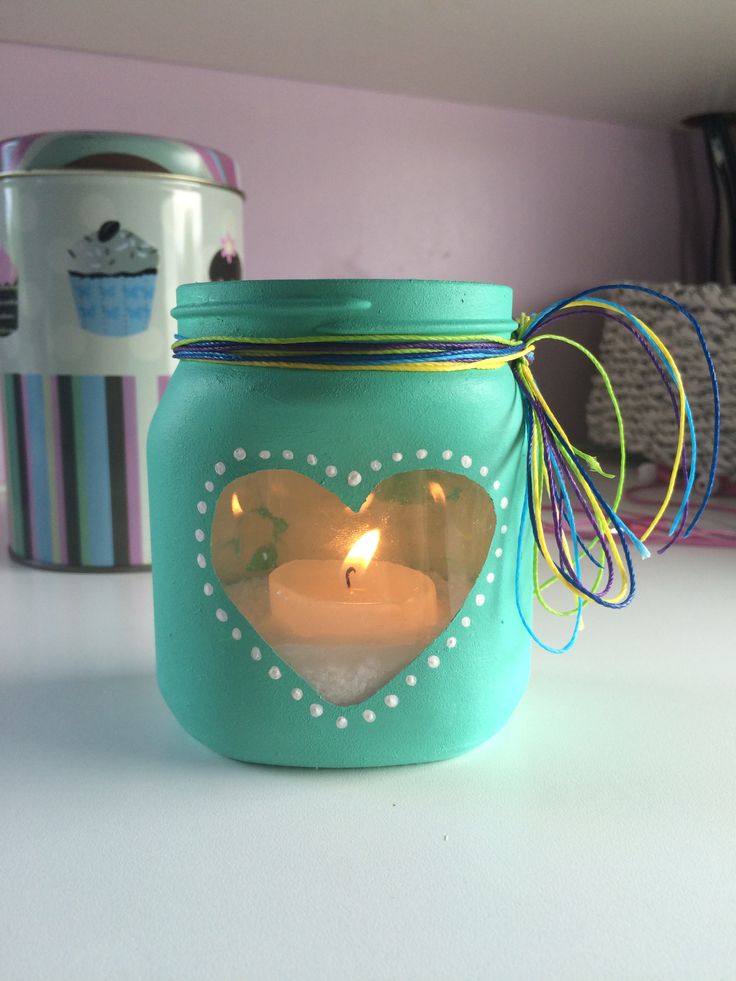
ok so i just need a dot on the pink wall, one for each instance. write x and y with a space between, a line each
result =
350 183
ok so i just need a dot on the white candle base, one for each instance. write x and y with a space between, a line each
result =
346 675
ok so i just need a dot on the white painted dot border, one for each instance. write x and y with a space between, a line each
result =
448 639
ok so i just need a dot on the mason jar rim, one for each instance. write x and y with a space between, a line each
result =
298 307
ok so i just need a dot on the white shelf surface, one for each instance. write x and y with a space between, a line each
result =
594 837
630 62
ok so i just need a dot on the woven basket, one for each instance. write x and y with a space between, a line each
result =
648 418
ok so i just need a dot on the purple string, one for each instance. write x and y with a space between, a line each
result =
559 519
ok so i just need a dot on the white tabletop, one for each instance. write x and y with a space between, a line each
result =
593 838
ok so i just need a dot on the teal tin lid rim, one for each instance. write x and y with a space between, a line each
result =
132 174
295 307
99 151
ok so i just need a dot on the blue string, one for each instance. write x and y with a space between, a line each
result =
352 353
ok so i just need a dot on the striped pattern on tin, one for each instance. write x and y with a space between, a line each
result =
76 470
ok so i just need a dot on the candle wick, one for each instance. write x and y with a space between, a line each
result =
347 575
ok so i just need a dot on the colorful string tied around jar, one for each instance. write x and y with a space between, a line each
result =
589 550
561 474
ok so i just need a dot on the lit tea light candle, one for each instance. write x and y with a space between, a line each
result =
359 558
353 601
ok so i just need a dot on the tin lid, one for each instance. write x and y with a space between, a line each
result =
103 151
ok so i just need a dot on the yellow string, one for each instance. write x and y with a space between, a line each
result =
681 412
487 364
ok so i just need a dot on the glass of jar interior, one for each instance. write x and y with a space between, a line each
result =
350 597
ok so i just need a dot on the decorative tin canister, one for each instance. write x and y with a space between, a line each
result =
345 481
96 231
333 567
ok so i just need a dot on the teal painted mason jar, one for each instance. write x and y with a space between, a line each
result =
335 545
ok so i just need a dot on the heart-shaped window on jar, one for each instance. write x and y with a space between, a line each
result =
348 598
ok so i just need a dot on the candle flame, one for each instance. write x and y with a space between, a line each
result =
437 492
363 550
235 506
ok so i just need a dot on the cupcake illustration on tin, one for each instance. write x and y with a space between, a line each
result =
226 261
113 278
8 294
